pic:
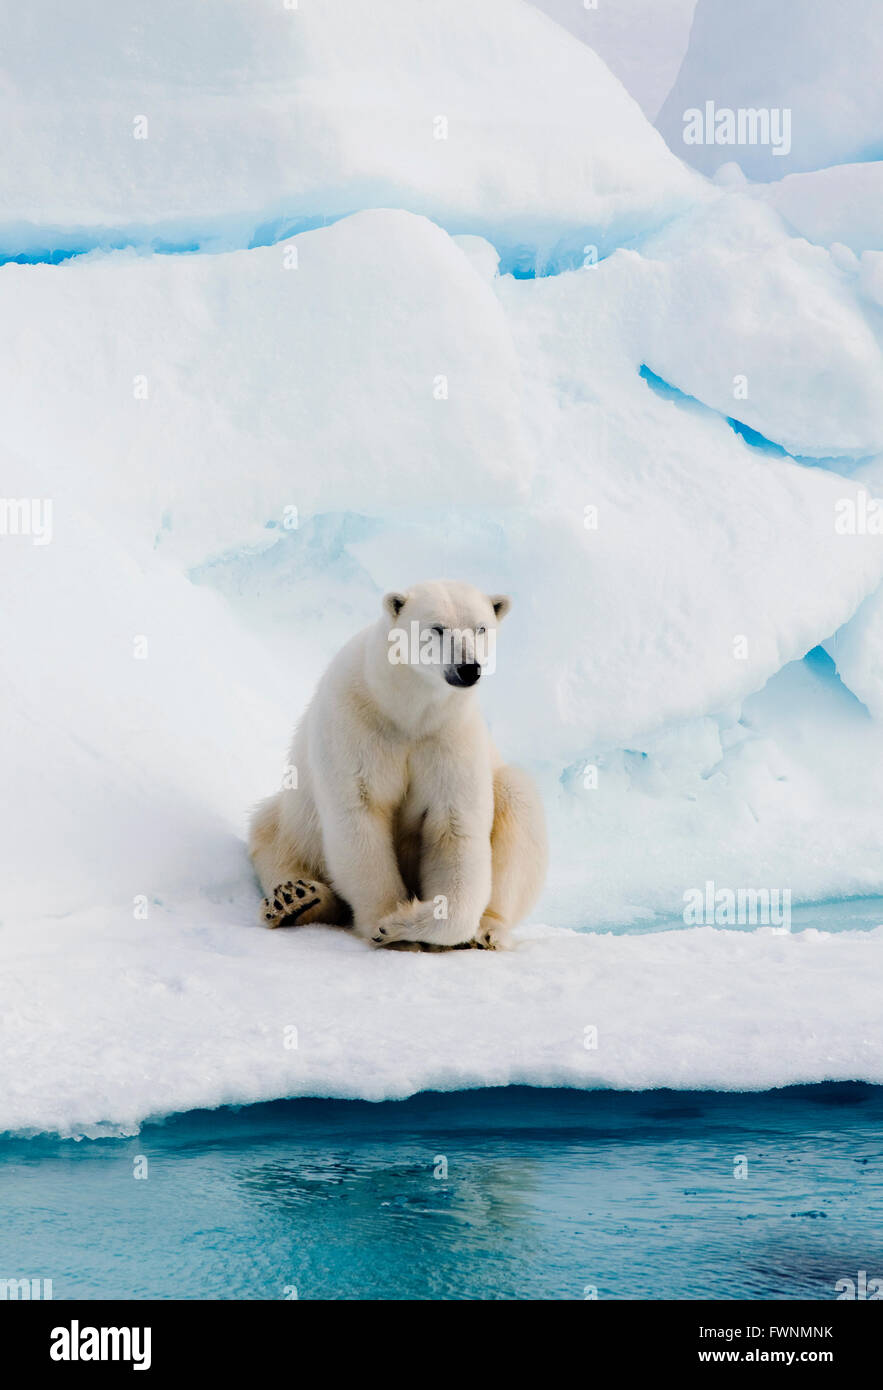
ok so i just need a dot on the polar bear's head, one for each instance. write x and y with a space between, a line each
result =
444 630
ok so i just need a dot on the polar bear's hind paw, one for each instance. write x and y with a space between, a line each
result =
293 903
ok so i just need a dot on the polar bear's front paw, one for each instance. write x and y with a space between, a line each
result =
408 922
492 934
295 903
482 941
486 940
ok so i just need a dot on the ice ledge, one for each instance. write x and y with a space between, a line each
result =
106 1026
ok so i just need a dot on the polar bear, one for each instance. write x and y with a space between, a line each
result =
403 819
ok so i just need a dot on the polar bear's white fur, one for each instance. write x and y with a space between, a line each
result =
404 820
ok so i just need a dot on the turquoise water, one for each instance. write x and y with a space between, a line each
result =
547 1194
835 915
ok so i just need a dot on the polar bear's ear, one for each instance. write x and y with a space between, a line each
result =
394 603
501 603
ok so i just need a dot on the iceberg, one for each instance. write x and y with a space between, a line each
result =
141 1020
336 298
219 128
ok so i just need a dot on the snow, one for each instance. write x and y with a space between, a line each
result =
730 296
274 369
842 204
871 276
648 447
781 790
109 1022
238 369
857 648
642 42
713 564
700 538
794 55
261 115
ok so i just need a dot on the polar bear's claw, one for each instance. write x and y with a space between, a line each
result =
291 902
408 922
487 940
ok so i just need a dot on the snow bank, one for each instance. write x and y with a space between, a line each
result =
107 1022
136 722
857 648
763 327
642 42
781 789
213 125
795 55
243 451
692 539
194 401
843 204
411 415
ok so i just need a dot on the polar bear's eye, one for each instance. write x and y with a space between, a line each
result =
480 631
440 630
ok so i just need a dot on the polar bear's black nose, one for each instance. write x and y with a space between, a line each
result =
468 673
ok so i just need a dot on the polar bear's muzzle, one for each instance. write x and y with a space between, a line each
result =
463 675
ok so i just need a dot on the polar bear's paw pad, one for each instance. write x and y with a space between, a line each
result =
294 903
